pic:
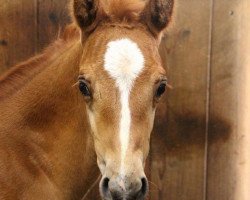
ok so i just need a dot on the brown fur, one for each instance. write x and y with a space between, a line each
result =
33 159
18 76
47 146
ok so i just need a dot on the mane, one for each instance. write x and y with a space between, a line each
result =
15 78
125 10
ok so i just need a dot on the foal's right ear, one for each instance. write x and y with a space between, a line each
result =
86 13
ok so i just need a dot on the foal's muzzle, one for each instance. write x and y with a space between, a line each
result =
126 188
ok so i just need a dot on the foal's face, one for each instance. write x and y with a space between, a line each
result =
122 80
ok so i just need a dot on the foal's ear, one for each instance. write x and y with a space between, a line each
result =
86 14
157 15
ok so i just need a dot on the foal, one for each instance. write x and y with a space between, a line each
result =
52 128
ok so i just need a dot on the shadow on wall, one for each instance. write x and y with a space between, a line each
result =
177 130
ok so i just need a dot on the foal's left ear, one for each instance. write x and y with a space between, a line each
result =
86 14
157 15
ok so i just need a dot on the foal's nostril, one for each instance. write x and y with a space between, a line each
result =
105 185
144 187
118 189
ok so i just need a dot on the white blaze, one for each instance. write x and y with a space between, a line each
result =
124 61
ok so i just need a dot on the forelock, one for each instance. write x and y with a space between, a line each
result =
125 10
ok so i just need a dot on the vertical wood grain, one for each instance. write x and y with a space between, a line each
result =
52 17
178 143
228 161
17 31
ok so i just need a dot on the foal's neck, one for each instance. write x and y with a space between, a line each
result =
54 125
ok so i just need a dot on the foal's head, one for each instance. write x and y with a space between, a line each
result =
122 80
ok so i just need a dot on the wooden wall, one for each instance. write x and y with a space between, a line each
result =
200 144
27 26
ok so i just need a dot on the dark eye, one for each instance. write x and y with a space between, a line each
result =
161 89
83 87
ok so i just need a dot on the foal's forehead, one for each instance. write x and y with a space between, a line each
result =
124 61
122 53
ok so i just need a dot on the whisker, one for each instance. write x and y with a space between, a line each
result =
74 85
169 86
153 184
91 187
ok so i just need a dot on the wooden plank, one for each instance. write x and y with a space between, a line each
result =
17 32
178 149
53 15
228 158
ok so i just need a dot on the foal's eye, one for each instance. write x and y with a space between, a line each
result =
161 89
83 87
